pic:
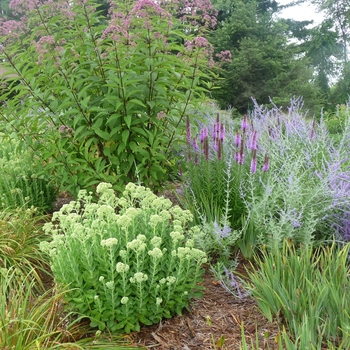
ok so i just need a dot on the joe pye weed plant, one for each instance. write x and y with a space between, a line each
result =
102 98
125 260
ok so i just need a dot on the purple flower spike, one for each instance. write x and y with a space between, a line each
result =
188 130
254 141
219 149
194 144
241 153
216 131
222 132
203 134
253 163
265 167
244 123
238 139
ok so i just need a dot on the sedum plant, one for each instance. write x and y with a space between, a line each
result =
126 260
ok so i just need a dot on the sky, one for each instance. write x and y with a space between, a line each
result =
301 12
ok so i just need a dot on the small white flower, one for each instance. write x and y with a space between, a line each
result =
110 285
121 267
123 253
96 297
156 241
124 300
154 220
103 187
101 279
176 236
109 242
155 253
139 277
159 301
171 280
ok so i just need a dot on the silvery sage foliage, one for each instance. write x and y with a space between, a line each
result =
125 261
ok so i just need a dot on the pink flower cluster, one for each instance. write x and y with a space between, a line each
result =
224 56
198 12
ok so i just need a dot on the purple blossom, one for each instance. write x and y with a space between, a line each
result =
216 130
231 284
188 130
253 163
238 139
194 144
224 56
244 123
240 158
222 132
203 134
265 167
221 232
254 139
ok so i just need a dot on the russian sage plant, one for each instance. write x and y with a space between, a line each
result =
277 175
105 98
293 199
125 260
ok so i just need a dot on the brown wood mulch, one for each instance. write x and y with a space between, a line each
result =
191 331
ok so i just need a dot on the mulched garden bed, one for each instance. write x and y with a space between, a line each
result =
192 332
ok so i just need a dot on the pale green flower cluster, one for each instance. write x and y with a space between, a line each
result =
109 242
139 277
155 253
138 244
124 300
156 241
122 268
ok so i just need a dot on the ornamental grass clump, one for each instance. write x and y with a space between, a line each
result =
305 288
125 260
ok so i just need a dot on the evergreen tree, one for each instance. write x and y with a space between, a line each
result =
264 63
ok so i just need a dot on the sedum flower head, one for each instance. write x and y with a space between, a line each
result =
155 220
139 277
103 187
123 254
137 245
156 241
170 280
155 253
106 212
124 300
121 267
110 284
176 236
109 242
184 253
